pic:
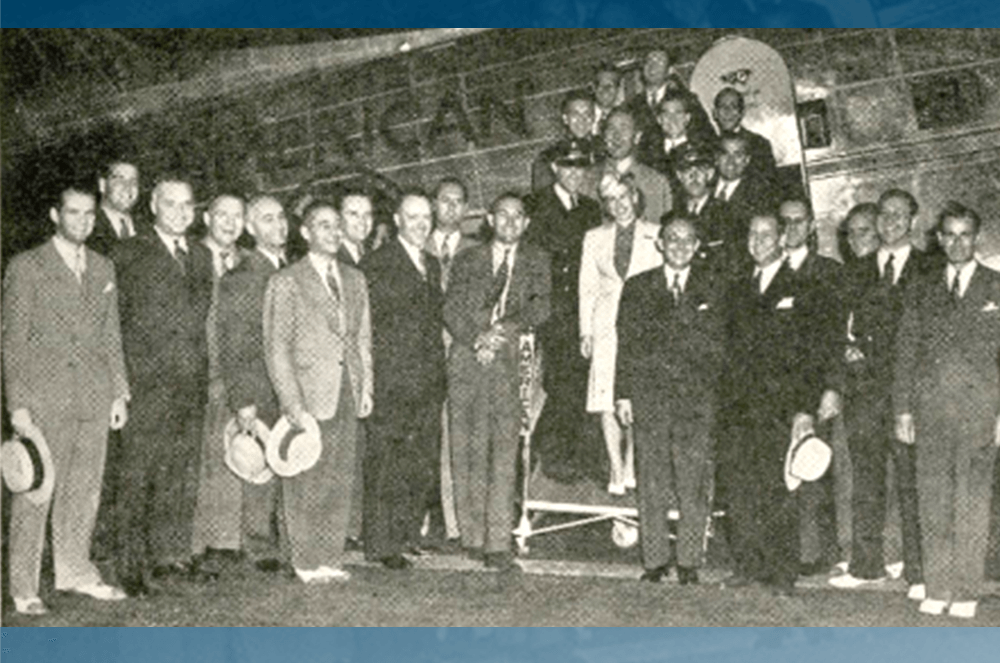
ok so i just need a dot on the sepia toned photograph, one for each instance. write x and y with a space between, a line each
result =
503 327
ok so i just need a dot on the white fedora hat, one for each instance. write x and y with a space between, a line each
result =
807 459
291 451
245 454
27 466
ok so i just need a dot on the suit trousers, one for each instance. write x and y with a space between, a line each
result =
220 492
818 510
103 546
355 520
764 528
317 502
673 460
78 449
955 467
558 440
402 462
871 439
485 427
993 553
158 489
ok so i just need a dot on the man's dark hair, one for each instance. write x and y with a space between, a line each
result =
956 210
900 193
730 91
606 67
506 195
348 193
675 95
104 172
452 181
59 199
731 138
576 95
313 207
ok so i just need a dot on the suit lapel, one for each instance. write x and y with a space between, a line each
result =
314 290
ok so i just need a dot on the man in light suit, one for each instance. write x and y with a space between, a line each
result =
240 327
773 389
670 358
946 398
165 292
403 454
118 183
216 521
63 372
317 345
451 201
497 292
621 138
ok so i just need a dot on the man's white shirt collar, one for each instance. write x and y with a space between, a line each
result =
273 258
564 196
964 276
684 273
625 165
899 258
324 267
172 242
498 253
352 248
727 186
797 256
673 143
699 204
74 255
217 261
768 273
657 95
120 221
449 240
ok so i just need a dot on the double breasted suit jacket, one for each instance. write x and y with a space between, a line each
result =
307 344
62 346
600 290
240 325
164 308
407 344
670 351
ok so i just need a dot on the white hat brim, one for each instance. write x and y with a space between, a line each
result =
262 433
290 468
43 493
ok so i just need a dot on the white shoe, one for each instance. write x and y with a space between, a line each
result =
339 575
847 581
917 592
313 577
895 570
840 568
100 591
963 609
933 607
30 605
616 488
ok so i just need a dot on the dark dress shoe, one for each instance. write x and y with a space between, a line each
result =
177 570
501 561
686 576
737 581
655 575
269 565
396 562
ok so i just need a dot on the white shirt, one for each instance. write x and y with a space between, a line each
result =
624 165
275 259
769 273
415 254
565 197
172 242
673 143
899 258
726 187
353 249
447 241
797 256
695 206
656 96
120 222
599 115
965 273
499 250
324 267
682 274
218 264
74 255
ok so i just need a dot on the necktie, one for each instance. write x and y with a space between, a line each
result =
956 287
623 249
499 285
331 281
78 267
225 262
675 287
888 272
180 254
572 202
445 264
758 279
693 207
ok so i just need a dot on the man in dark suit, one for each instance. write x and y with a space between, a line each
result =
718 244
402 459
947 403
497 292
728 111
875 310
317 346
240 328
745 193
662 143
606 86
821 276
165 293
774 385
561 216
578 119
118 183
355 210
64 373
658 80
670 357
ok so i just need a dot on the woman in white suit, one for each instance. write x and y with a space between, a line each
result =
611 254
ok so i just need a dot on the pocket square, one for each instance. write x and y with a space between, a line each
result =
108 288
715 243
990 307
786 303
703 307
